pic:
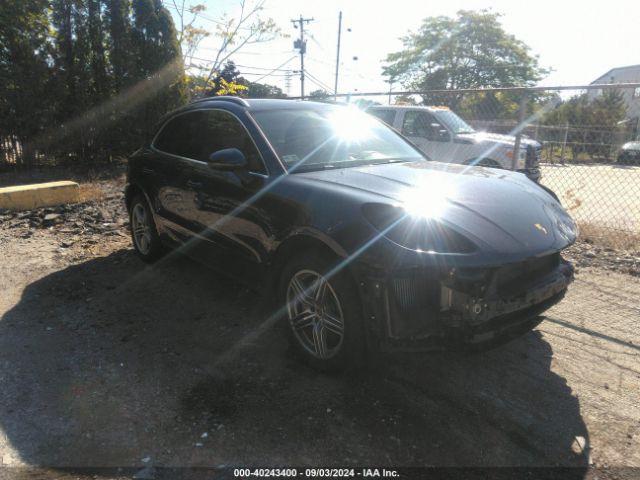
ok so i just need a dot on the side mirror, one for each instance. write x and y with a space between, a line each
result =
443 136
228 159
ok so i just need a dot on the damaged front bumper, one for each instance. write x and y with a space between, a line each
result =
424 309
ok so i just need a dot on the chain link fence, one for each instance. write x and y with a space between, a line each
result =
574 136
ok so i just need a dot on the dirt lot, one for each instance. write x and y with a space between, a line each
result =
107 362
599 195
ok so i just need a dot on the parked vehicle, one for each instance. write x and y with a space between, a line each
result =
366 243
629 153
446 137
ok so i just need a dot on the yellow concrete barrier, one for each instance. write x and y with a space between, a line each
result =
27 197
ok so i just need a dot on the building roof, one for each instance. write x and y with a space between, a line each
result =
616 69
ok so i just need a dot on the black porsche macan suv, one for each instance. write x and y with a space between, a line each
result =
365 243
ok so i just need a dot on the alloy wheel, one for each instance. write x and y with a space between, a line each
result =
315 314
141 228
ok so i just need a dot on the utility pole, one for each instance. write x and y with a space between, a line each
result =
301 44
287 82
335 88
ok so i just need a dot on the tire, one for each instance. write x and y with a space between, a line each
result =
144 233
316 338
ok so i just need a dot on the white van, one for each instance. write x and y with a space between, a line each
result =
446 137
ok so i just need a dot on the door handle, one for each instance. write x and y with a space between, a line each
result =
194 184
148 171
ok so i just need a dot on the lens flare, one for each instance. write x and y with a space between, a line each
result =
428 199
350 124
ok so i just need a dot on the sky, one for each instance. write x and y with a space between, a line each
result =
578 40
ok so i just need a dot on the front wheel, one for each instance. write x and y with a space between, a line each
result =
323 313
144 234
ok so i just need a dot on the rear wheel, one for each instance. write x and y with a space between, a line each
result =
143 230
322 312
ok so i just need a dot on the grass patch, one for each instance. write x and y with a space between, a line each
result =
608 237
91 192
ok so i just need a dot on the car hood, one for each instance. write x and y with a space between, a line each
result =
498 210
493 138
631 146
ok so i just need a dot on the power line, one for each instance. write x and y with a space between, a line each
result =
278 67
324 85
204 17
315 82
262 68
353 72
215 49
242 74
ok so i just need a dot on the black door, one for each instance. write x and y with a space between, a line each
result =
175 150
227 208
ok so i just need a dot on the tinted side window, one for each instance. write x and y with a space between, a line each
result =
420 124
222 130
387 116
179 135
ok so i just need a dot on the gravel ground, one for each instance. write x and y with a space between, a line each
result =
107 362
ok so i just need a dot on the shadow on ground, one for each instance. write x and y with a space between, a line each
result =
111 363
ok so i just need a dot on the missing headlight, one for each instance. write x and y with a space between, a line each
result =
422 234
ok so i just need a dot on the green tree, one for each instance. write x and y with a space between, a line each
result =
119 27
319 95
471 50
151 65
229 74
263 90
592 126
84 79
72 63
25 72
155 46
99 75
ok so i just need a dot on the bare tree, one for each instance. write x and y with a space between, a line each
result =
235 32
189 35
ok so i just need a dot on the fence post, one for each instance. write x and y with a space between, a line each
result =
522 110
564 143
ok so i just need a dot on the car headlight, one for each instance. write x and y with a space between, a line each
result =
567 227
415 233
522 155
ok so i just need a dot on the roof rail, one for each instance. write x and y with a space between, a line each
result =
224 98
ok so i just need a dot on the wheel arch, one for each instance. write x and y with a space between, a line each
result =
130 192
302 242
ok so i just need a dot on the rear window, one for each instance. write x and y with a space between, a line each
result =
179 136
387 116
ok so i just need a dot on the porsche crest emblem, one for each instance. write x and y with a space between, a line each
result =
540 227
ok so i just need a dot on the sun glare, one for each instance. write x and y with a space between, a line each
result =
350 124
428 199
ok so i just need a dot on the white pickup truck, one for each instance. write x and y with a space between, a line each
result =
446 137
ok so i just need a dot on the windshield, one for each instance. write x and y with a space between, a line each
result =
454 122
334 137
